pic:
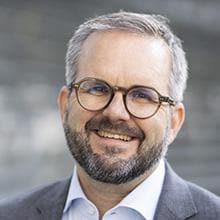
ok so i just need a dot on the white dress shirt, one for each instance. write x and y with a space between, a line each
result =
139 204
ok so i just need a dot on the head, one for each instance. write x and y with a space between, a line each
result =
124 49
154 25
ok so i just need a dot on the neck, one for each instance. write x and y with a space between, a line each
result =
99 193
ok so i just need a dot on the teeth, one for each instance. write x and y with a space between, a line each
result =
115 136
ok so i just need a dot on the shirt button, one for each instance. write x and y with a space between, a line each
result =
113 213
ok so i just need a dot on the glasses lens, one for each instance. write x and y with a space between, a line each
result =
94 94
142 102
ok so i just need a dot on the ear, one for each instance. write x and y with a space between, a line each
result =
177 119
62 101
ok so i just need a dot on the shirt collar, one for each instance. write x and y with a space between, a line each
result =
147 193
75 191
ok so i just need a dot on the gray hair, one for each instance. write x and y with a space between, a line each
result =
155 25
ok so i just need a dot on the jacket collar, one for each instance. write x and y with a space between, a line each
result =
51 205
175 201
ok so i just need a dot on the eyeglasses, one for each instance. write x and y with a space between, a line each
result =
140 101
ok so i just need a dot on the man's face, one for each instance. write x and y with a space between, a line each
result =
111 145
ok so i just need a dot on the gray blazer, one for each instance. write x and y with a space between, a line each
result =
179 200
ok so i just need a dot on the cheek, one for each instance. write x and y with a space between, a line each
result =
154 129
78 116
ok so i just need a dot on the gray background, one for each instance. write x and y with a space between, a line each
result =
33 37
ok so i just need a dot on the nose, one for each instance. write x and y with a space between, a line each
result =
116 109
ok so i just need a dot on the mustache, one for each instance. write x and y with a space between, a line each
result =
105 123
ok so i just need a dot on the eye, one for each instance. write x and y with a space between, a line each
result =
95 88
143 95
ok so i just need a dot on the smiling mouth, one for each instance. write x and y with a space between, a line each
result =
112 135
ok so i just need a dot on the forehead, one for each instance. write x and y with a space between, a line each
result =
125 59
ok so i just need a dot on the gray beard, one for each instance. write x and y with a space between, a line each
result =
108 167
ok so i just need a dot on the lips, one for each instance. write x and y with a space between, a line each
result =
105 128
114 135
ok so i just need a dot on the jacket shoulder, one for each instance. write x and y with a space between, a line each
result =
181 199
25 204
205 200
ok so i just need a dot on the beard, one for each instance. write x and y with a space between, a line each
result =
108 167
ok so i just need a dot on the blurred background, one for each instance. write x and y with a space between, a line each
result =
33 37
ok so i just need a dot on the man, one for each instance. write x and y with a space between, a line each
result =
122 106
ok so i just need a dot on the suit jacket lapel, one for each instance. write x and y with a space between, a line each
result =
51 205
176 201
